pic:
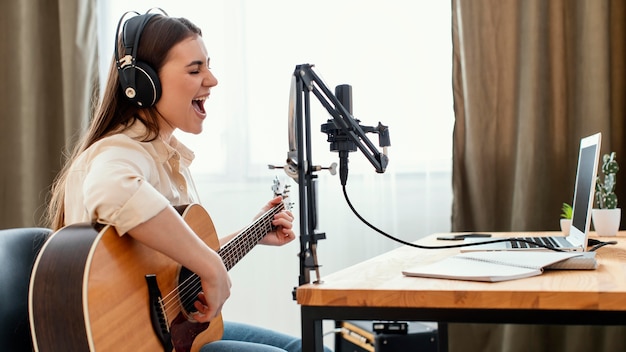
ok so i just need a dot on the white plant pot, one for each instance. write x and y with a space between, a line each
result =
606 221
565 225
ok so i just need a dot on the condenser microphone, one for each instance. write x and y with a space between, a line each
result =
343 93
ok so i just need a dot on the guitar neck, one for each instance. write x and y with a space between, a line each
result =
249 237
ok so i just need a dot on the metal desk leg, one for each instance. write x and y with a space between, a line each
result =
442 336
312 335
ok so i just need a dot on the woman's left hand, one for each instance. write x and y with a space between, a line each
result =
283 225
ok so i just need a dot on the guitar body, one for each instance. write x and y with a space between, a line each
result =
89 292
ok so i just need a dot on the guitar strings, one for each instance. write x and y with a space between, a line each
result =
191 286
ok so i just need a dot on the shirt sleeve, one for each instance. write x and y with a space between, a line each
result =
116 188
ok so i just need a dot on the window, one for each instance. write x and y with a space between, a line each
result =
397 55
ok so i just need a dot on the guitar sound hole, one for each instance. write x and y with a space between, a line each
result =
188 289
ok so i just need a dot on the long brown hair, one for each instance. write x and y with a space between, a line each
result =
116 113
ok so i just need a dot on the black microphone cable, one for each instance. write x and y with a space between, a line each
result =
345 194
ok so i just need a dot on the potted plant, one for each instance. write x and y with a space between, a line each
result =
566 218
606 217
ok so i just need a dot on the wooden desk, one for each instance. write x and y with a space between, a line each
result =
377 290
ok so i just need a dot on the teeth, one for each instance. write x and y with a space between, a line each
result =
199 103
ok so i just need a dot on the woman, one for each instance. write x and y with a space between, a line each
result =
129 170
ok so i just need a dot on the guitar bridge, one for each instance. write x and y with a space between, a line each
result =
158 318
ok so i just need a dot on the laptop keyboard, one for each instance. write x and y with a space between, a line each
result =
548 241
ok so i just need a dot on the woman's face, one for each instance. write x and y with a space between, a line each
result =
186 82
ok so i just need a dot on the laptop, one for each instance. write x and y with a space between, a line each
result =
588 157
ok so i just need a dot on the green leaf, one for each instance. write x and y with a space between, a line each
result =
566 211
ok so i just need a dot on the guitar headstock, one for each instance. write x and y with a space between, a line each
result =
282 189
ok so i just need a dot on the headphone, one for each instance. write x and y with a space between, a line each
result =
139 82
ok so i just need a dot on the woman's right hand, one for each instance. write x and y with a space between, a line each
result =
210 305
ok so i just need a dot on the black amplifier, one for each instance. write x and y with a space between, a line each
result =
385 336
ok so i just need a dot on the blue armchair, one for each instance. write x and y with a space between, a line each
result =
18 250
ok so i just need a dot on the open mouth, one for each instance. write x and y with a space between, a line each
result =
198 105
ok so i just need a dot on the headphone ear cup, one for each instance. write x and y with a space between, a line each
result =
147 85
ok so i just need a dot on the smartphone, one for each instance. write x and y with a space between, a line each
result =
462 236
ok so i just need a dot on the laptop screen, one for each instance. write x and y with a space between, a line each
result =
585 185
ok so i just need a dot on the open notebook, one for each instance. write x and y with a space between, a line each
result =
494 266
588 156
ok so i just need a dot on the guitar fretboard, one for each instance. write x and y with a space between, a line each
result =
249 237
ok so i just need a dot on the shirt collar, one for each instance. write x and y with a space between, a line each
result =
163 151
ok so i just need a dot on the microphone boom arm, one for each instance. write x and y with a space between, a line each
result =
344 119
345 135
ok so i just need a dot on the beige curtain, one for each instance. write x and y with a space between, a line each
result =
530 78
48 74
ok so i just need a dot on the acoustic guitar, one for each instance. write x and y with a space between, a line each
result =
93 290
